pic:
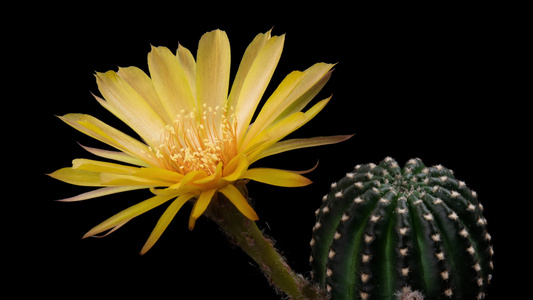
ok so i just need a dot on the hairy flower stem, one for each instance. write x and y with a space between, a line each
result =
245 234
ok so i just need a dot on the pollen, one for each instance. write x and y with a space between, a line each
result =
198 141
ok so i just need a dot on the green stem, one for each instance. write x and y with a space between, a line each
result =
245 234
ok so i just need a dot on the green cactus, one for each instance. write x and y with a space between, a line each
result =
387 233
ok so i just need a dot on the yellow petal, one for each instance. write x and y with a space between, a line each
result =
281 129
291 96
116 155
170 81
151 176
109 135
235 168
125 103
308 170
244 67
276 177
166 191
293 144
213 178
235 196
144 86
313 111
77 177
200 206
256 82
315 78
159 174
186 189
128 214
165 220
186 60
189 177
100 166
269 137
101 192
213 69
121 179
269 112
115 228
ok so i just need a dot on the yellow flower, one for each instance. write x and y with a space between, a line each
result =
197 140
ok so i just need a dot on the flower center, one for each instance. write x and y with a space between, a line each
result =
197 142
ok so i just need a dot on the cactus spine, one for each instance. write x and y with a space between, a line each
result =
383 232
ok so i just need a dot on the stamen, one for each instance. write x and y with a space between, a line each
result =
194 143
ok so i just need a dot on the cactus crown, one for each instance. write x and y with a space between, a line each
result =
382 231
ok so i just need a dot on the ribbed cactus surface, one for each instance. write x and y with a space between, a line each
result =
384 232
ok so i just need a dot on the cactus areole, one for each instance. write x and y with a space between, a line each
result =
384 232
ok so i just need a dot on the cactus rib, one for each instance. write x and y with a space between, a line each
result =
382 230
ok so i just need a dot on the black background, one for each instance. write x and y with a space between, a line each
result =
424 82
